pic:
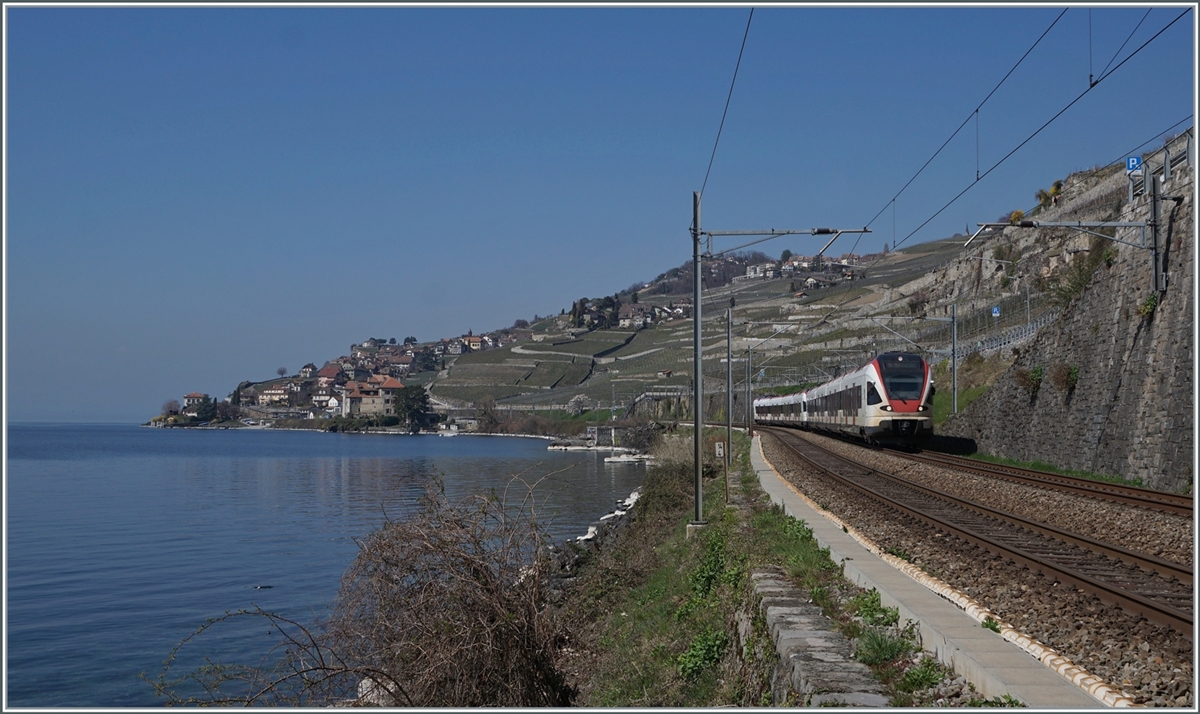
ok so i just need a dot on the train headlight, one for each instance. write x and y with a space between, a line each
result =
886 407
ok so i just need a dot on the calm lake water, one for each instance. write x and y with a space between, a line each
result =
122 540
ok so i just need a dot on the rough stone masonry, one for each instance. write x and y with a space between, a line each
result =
1130 412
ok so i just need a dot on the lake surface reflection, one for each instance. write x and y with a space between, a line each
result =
122 540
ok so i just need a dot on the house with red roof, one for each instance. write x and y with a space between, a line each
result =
329 374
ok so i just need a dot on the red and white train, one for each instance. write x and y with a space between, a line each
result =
887 400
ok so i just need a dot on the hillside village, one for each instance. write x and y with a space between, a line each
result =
367 382
777 325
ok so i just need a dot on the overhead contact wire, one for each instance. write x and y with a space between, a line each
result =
1048 123
973 115
1127 39
727 99
1092 85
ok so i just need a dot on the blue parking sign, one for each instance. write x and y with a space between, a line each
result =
1133 163
995 312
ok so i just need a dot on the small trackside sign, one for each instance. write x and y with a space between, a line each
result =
995 312
1132 164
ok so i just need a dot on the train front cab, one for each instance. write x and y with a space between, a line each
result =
903 415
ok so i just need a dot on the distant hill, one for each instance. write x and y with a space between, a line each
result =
808 324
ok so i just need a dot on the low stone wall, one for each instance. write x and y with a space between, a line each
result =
815 663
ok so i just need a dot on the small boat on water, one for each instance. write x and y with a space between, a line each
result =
627 458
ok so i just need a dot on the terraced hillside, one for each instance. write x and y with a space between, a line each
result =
795 336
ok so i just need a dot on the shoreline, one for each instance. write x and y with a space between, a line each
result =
376 431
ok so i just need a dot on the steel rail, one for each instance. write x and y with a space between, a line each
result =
1143 497
1130 601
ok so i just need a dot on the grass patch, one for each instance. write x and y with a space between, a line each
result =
654 613
868 607
704 652
924 674
878 647
1001 701
476 393
976 374
943 402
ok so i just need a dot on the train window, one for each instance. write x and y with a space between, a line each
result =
873 394
932 391
903 386
903 375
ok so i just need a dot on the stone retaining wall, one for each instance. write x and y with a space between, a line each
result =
1130 413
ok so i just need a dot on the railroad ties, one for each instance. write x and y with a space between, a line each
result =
1117 493
1142 584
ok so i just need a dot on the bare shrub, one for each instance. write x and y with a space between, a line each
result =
674 450
678 451
642 437
918 300
444 608
1064 376
1029 379
450 603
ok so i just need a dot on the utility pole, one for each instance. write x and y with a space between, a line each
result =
697 377
1160 282
698 382
728 393
749 394
954 354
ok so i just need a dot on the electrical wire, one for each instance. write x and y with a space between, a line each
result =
1092 84
731 84
973 114
1127 39
1137 148
1049 122
1043 127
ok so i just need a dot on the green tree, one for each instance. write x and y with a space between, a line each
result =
425 361
206 410
412 405
226 411
786 254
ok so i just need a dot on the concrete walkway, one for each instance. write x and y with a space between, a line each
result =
994 664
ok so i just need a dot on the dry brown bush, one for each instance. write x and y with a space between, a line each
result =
1060 376
444 608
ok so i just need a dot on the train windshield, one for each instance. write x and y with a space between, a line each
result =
903 375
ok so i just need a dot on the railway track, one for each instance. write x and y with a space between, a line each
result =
1142 497
1157 589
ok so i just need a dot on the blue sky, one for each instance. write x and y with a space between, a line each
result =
197 196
